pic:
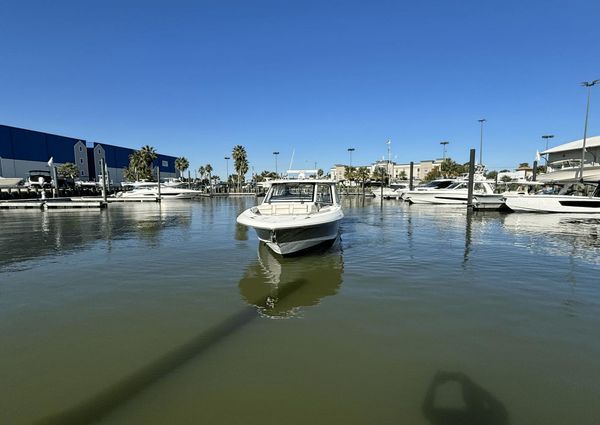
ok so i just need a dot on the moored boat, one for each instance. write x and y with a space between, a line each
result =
296 215
455 194
573 198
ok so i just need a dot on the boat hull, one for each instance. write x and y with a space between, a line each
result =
435 197
554 204
296 239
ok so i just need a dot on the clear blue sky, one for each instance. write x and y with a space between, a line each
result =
196 78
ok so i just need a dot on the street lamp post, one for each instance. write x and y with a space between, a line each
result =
350 150
227 175
589 85
275 154
547 137
444 143
481 121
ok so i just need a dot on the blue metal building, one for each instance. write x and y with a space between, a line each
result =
23 150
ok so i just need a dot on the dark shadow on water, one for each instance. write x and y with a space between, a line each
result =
104 403
477 407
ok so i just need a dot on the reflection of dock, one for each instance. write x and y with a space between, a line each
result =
53 203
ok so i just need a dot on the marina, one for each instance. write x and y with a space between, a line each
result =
410 296
303 213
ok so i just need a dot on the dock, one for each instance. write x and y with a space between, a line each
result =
53 203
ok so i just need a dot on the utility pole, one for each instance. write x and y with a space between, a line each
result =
350 150
444 143
481 121
227 175
276 153
589 85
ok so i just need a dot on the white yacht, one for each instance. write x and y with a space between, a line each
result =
456 193
166 192
573 198
393 191
432 185
296 215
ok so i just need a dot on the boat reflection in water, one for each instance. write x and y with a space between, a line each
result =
577 235
280 286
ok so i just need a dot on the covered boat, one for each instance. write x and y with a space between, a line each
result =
296 215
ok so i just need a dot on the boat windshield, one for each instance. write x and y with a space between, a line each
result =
439 184
291 192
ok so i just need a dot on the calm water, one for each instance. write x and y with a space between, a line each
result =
147 314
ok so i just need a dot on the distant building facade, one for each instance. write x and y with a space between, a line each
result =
398 172
572 151
23 150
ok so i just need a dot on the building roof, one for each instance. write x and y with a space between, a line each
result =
577 144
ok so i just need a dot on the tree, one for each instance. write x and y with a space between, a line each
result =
402 175
380 174
350 173
523 165
450 168
182 164
491 175
148 155
240 163
140 164
208 169
68 170
320 173
201 172
362 174
266 175
433 174
506 179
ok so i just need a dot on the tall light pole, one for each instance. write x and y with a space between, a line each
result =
481 121
589 85
275 155
350 150
444 143
227 176
389 144
547 137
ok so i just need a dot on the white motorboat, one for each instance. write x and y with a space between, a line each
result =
394 191
138 184
573 198
432 185
151 192
173 182
39 179
455 194
296 215
10 181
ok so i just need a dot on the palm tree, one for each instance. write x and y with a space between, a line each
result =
362 174
148 154
182 164
209 169
240 161
201 171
